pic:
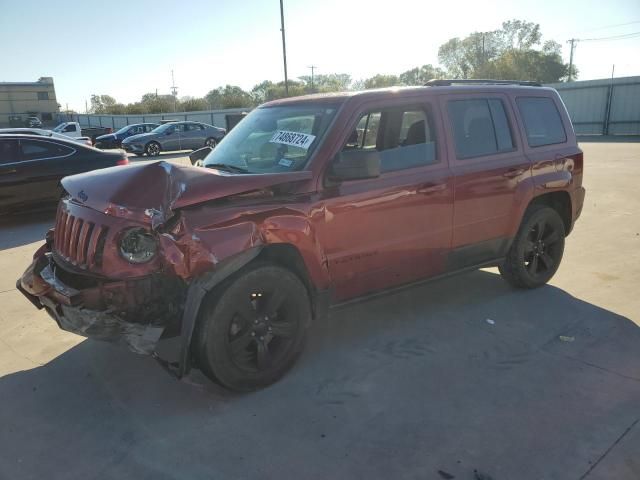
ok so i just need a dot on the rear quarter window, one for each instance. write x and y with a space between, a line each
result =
542 121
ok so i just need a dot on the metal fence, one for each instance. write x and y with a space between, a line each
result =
596 107
219 118
603 107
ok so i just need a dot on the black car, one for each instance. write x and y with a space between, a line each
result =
114 140
31 167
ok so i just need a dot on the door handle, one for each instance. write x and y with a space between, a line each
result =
432 188
8 172
514 172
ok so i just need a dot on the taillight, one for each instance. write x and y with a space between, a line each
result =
123 161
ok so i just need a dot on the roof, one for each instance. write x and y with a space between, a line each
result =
381 93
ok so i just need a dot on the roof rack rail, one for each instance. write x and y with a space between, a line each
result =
447 82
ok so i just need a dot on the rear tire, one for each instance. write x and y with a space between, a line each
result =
536 251
152 149
210 142
252 327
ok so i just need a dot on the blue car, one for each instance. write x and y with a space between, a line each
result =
114 140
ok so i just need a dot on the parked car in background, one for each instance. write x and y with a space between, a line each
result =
31 167
308 202
174 136
33 122
74 130
114 140
45 133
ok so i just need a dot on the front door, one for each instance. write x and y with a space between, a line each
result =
490 171
395 228
171 140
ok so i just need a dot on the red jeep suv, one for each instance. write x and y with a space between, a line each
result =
309 202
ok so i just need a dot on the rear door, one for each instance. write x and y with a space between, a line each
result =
10 180
33 177
490 171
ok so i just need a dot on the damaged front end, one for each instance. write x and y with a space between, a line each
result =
92 277
134 312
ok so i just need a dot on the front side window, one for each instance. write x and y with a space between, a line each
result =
480 127
273 139
403 136
542 121
70 128
35 150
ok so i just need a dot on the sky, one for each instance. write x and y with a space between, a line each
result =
128 48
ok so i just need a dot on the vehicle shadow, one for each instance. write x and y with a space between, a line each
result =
18 230
454 375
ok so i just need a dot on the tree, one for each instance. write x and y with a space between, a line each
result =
229 96
420 75
507 53
190 104
100 103
380 81
333 82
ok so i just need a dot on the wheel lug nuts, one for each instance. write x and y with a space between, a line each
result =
261 338
253 334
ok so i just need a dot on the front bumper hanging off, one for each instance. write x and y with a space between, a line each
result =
80 311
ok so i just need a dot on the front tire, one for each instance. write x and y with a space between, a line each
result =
252 327
152 149
536 252
210 142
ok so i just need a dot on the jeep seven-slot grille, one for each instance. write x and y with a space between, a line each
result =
79 241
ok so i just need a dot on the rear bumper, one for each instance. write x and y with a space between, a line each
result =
88 312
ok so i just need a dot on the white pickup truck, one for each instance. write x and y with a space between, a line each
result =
74 130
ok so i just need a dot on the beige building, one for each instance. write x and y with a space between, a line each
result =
19 100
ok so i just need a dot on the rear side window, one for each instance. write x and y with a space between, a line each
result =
542 121
34 150
9 151
480 127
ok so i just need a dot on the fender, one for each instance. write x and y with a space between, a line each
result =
535 186
196 292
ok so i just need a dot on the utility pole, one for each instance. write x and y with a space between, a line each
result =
174 92
86 108
312 67
573 42
284 50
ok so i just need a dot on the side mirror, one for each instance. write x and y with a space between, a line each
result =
356 165
199 155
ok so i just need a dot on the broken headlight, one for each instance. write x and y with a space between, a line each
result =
137 245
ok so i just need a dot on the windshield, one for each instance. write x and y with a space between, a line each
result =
60 127
164 128
123 129
274 139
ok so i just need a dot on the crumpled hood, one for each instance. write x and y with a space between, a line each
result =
151 191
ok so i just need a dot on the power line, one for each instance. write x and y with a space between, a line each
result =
613 37
610 26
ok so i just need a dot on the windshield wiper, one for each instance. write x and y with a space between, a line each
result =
224 166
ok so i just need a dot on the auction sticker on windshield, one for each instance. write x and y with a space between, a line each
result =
295 139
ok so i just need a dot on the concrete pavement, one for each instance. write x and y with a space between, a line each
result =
402 386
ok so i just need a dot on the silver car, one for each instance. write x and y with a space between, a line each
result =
174 136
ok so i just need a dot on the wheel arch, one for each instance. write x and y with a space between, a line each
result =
560 201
